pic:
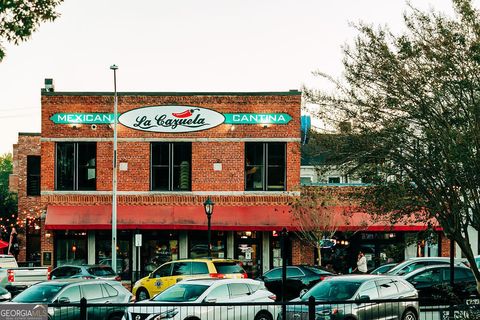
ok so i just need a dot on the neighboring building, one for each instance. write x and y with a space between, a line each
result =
240 149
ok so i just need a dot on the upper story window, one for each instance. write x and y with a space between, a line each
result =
33 175
75 166
265 166
171 166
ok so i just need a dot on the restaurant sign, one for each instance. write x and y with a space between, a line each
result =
82 118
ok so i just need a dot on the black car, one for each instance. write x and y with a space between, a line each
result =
299 278
84 272
433 283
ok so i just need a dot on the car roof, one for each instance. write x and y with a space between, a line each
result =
211 281
361 277
204 260
75 280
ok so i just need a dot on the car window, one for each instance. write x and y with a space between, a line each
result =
413 266
72 293
275 273
228 267
294 272
58 272
386 288
163 271
427 276
402 287
92 291
369 289
101 271
433 263
181 292
111 291
238 290
219 293
460 274
43 292
181 268
199 268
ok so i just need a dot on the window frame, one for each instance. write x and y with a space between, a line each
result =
32 177
171 167
265 166
76 166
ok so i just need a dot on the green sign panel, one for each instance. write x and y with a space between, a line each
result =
230 118
257 118
83 118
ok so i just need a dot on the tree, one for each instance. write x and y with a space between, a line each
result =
413 100
8 200
20 18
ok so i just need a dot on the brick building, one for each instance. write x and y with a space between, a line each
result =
174 150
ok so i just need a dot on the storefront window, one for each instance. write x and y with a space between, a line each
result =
71 248
171 166
75 166
157 248
103 246
247 250
265 166
198 244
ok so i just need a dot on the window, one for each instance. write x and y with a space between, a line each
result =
33 175
369 289
181 268
72 293
171 166
265 166
111 291
199 268
428 276
333 179
75 166
275 273
219 293
294 272
238 290
386 288
92 291
163 271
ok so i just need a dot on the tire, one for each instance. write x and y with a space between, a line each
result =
263 315
142 294
409 315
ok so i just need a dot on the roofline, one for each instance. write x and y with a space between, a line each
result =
267 93
29 134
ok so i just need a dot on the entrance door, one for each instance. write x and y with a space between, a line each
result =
248 246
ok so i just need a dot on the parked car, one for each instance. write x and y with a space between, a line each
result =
433 282
208 291
84 272
172 272
5 295
16 279
359 289
299 280
411 264
384 268
71 291
120 264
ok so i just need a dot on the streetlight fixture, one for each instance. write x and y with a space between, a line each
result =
114 186
208 205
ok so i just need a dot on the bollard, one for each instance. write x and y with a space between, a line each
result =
311 308
83 309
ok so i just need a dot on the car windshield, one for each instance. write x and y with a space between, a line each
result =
44 292
181 292
228 267
333 290
101 271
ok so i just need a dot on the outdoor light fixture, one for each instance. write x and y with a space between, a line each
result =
208 205
114 182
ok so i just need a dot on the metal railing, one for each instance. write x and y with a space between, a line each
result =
405 309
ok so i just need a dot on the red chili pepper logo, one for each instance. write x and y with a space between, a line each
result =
185 114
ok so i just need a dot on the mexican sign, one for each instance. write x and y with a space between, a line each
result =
172 118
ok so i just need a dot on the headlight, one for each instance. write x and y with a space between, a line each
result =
166 314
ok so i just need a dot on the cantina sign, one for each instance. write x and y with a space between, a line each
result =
172 119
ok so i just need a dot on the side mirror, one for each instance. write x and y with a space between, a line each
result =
302 292
210 300
63 300
150 275
400 273
363 299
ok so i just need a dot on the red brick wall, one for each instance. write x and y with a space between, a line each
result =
302 253
444 245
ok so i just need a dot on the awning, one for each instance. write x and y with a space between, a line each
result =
252 218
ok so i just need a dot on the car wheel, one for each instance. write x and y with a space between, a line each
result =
409 315
263 315
142 294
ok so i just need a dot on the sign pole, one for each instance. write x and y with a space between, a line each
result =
114 187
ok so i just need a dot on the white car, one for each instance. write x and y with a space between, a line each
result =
177 298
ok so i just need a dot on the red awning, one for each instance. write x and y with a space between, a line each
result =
253 218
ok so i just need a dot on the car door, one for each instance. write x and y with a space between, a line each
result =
218 295
294 282
159 280
239 292
427 283
181 270
72 295
387 290
367 310
93 292
273 281
464 282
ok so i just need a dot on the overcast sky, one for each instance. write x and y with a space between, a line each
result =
183 45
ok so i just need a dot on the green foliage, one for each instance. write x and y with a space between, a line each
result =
20 18
413 102
8 200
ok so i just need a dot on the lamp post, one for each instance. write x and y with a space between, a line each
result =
114 186
208 205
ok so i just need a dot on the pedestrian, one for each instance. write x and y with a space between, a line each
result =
13 246
361 264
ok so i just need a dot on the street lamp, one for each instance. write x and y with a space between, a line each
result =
208 205
114 187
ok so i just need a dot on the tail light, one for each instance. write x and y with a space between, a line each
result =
87 277
244 275
272 297
217 275
49 275
10 275
118 278
334 311
324 278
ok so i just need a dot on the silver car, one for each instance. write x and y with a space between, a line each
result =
354 294
412 264
64 292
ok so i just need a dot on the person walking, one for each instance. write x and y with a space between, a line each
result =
361 264
13 246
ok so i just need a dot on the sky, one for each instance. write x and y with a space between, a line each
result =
183 45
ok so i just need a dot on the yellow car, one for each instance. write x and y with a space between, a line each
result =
172 272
